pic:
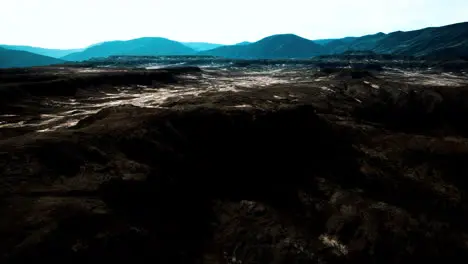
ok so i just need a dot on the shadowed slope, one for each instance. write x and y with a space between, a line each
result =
17 58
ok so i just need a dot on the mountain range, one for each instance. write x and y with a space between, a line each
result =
445 41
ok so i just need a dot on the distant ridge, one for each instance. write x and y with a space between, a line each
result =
451 40
55 53
17 58
243 43
367 42
326 41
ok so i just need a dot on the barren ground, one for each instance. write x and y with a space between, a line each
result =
264 164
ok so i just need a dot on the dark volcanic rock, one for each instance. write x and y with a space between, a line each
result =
276 182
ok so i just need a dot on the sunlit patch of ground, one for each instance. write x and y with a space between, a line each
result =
69 111
66 112
427 78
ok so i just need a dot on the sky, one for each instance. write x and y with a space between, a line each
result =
80 23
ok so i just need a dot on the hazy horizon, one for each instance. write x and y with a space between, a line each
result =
78 24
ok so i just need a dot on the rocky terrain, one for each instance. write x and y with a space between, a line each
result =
245 162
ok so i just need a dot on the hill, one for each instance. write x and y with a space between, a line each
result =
451 40
55 53
136 47
285 46
426 41
17 58
201 46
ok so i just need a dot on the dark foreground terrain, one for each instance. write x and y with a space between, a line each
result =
247 164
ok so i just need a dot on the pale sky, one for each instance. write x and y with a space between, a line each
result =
79 23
